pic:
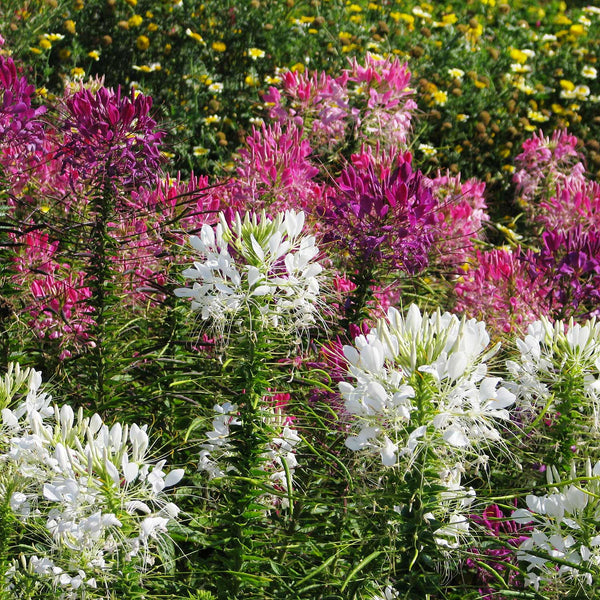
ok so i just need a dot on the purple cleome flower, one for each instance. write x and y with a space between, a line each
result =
19 125
113 136
382 216
569 265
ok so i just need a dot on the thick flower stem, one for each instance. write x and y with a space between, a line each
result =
100 276
356 303
249 440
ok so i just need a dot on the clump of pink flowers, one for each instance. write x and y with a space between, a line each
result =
382 216
275 169
108 135
363 104
545 163
499 289
460 217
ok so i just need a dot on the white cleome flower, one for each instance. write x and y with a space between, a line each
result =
277 461
258 268
550 355
72 475
564 543
421 379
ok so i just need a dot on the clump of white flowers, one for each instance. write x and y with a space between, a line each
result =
563 546
551 356
257 267
421 381
92 488
421 402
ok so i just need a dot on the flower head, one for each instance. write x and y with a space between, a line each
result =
421 380
256 268
381 215
113 136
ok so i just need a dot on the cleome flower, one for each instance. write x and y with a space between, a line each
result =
92 489
420 381
563 545
556 380
257 268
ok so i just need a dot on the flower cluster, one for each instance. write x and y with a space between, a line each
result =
257 268
20 127
274 169
461 214
499 289
57 304
108 135
421 382
93 489
366 102
556 379
509 534
563 547
568 265
382 216
544 163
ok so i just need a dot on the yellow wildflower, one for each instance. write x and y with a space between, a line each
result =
200 151
440 97
219 46
142 43
354 8
562 20
94 54
35 50
77 73
298 67
577 29
195 36
589 72
567 85
45 44
536 116
427 150
255 53
152 27
419 12
250 80
518 55
135 21
70 26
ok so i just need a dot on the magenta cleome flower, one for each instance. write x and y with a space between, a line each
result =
275 170
382 217
544 163
462 212
107 135
500 290
20 127
568 265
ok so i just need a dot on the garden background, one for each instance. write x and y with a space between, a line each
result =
298 299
